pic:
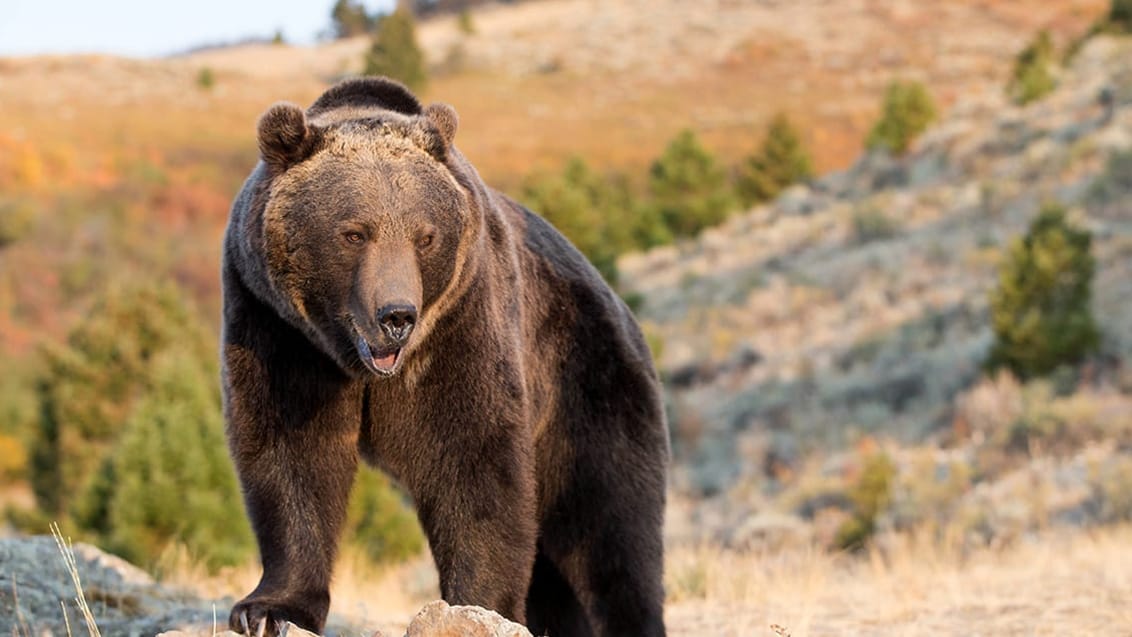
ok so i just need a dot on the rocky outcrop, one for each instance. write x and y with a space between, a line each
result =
37 597
37 594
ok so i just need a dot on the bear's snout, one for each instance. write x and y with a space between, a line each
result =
397 322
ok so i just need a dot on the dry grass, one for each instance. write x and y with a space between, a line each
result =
623 84
918 584
1075 584
80 598
376 597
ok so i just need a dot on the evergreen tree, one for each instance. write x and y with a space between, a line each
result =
1040 309
908 109
395 52
597 213
1120 16
1033 78
688 187
349 18
169 481
92 383
780 162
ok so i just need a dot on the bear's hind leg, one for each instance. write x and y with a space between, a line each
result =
611 554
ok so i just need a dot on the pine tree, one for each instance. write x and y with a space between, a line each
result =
688 187
907 112
597 213
1033 78
349 19
169 481
92 383
1040 309
780 162
395 52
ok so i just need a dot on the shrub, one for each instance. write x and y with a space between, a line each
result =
907 112
870 495
871 224
781 161
206 79
395 52
597 213
17 218
688 187
380 521
465 23
169 481
1032 77
91 384
13 459
1120 16
1040 309
1111 192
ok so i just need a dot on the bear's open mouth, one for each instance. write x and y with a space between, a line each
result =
378 360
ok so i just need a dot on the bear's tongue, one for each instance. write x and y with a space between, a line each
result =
385 363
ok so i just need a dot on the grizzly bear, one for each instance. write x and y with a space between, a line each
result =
381 302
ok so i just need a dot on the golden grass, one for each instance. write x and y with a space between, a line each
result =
362 594
1058 584
80 598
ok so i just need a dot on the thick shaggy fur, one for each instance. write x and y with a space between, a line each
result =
522 412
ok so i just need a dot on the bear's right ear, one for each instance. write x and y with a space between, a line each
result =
285 138
445 119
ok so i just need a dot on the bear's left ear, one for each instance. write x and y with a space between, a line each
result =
285 138
444 118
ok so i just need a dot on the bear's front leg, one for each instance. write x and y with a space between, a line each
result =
475 496
293 423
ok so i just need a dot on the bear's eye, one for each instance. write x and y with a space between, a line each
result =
354 237
425 240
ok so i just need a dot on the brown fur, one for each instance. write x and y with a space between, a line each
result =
521 412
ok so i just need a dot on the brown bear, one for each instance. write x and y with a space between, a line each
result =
381 302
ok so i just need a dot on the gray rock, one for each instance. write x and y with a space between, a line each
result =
37 594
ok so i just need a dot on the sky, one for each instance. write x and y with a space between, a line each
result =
150 28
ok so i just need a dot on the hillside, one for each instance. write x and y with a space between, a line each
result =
612 81
112 149
856 307
822 354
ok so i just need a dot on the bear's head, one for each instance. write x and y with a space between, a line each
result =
364 218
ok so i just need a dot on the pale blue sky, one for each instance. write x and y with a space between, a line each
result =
147 28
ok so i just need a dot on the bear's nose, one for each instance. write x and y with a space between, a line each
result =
397 321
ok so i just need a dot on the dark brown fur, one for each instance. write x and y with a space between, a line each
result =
522 415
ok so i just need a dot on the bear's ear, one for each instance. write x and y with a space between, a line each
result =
285 138
445 119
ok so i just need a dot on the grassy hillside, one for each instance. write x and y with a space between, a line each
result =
822 354
856 309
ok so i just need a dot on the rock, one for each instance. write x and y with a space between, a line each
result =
36 591
438 619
